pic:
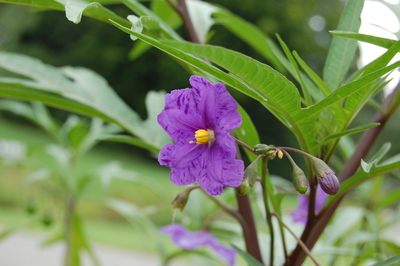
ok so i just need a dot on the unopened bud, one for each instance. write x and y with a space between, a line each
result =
326 177
300 181
262 148
181 199
329 183
250 176
280 154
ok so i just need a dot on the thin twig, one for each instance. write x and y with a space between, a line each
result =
267 210
244 145
306 250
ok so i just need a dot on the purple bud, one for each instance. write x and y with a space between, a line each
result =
329 183
326 177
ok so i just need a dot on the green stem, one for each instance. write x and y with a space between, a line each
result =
264 174
244 145
69 216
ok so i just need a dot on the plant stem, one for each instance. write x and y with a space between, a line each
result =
69 216
306 250
264 173
244 145
183 12
249 227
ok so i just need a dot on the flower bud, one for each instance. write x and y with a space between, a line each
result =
329 183
181 199
262 148
326 177
299 180
250 176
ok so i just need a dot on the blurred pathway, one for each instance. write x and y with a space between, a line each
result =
24 248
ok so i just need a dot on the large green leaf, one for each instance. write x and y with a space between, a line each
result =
262 83
260 42
342 50
74 9
35 112
78 85
249 33
37 3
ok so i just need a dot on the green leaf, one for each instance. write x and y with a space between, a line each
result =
305 90
314 77
129 140
395 260
250 34
262 83
342 50
75 84
50 100
37 3
390 198
349 132
379 41
247 257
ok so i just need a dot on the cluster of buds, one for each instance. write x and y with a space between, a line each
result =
326 176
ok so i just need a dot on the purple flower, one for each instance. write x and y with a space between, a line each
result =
199 120
299 215
192 240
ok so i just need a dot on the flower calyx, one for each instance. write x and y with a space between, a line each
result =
181 199
250 176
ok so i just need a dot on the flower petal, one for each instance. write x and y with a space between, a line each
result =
300 214
180 155
181 114
182 177
223 167
192 240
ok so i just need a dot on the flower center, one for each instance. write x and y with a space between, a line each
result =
204 136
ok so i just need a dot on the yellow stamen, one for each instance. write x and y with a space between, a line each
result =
204 136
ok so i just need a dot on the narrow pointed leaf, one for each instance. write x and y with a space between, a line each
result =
247 257
129 140
342 50
379 41
349 132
